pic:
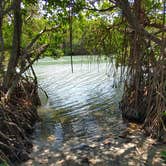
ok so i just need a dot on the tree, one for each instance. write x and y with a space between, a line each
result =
23 52
16 46
144 93
5 7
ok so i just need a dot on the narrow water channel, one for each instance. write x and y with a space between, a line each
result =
81 110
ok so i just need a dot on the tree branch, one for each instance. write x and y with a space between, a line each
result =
101 10
8 10
158 26
132 20
39 35
38 52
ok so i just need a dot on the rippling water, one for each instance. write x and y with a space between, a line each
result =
80 104
81 122
74 97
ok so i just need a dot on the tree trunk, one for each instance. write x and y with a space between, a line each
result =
144 95
134 22
15 53
1 42
71 32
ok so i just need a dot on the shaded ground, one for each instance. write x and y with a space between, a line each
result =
131 147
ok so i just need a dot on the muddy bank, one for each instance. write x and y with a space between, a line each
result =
17 118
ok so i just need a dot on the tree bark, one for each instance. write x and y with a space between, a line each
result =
16 44
1 41
133 21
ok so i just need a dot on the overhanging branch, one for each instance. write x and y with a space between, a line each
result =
132 20
30 45
101 10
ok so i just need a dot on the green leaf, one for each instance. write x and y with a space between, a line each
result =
163 155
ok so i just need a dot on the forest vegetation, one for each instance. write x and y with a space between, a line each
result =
132 33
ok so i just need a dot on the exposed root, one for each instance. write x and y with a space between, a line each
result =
148 109
17 118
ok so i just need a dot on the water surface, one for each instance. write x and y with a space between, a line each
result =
81 124
80 106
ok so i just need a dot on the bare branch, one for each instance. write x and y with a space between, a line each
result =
158 26
37 52
101 10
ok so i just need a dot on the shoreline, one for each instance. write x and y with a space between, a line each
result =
18 117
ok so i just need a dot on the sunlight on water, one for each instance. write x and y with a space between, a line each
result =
80 104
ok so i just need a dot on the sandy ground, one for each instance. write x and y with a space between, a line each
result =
129 148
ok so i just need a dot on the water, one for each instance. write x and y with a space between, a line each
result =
82 106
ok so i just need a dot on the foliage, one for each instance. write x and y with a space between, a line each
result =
163 155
